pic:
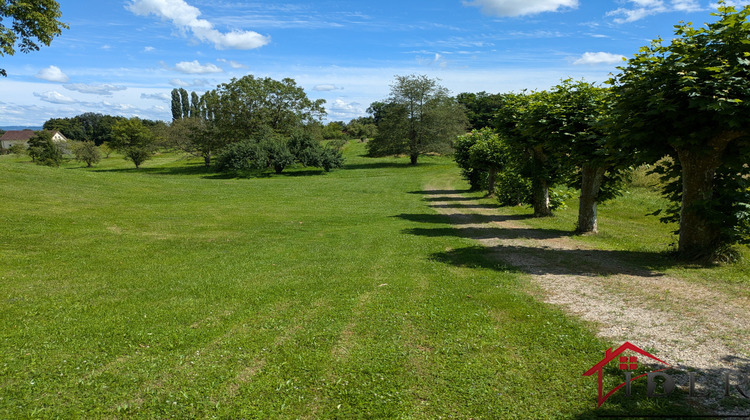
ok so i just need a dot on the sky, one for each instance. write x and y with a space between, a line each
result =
123 57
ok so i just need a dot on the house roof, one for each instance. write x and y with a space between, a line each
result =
25 135
18 135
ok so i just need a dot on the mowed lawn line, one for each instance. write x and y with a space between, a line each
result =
131 294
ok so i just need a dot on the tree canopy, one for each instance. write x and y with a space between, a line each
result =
30 24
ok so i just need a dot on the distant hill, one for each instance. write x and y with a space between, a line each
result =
18 127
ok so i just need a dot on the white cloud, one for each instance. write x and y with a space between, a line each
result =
194 83
104 90
594 58
54 97
736 4
511 8
156 96
186 17
342 109
52 74
194 67
642 8
149 49
232 64
326 88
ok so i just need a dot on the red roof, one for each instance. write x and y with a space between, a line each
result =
24 135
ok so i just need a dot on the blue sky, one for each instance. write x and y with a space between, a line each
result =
123 57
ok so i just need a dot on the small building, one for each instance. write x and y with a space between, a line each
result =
23 136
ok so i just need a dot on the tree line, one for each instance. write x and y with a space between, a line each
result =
681 107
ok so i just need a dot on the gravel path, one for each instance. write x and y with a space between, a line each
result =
688 325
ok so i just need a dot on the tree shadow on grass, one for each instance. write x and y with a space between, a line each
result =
546 261
378 165
469 219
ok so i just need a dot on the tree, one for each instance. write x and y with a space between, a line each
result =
576 127
134 140
185 102
691 100
31 23
417 118
249 107
87 152
523 120
45 151
176 105
485 152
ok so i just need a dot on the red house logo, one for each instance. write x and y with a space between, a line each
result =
627 363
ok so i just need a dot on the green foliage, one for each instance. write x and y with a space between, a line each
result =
480 108
196 136
241 156
252 107
690 100
86 127
513 189
334 130
176 105
362 128
278 153
419 117
17 149
134 140
86 152
105 150
45 151
32 24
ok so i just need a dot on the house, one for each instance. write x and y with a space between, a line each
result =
23 136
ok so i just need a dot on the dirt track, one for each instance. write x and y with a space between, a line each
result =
688 325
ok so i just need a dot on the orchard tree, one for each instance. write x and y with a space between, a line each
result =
418 117
134 140
31 24
690 100
87 152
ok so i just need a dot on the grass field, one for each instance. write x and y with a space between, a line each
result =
176 292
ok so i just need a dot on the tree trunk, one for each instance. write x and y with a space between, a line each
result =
700 236
539 185
540 197
591 181
207 159
491 180
413 159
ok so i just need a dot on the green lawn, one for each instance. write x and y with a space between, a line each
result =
176 292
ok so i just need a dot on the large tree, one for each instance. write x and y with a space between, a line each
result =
690 100
31 24
418 117
249 107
